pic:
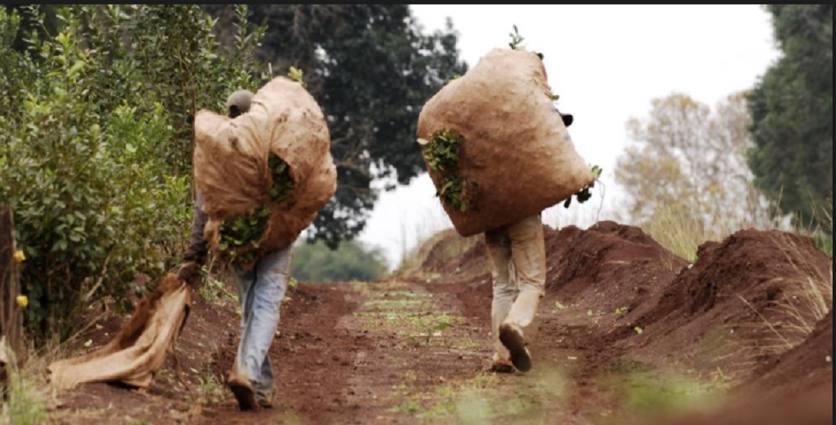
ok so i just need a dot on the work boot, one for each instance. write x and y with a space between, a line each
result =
243 390
512 338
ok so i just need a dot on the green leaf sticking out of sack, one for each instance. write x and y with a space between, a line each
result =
584 194
516 39
282 181
442 153
242 233
297 75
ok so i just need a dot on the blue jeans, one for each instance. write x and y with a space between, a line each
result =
262 289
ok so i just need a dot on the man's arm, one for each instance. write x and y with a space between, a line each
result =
198 246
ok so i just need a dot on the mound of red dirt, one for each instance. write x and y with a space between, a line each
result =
807 365
794 388
745 300
753 295
607 266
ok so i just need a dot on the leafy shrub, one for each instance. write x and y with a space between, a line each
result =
315 262
95 154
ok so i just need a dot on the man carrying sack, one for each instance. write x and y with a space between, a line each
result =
498 154
517 254
262 265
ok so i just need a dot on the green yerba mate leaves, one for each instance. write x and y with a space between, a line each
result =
584 194
297 75
282 181
243 232
442 153
516 39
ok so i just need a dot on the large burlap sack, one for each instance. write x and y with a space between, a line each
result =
516 153
140 347
231 162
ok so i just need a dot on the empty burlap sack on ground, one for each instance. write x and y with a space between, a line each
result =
516 148
140 347
231 162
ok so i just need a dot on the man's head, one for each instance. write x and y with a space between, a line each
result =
239 103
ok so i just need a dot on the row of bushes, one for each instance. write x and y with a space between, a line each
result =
96 139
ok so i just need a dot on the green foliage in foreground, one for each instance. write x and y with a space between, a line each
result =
315 262
95 144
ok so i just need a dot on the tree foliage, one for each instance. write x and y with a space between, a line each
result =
316 262
371 68
792 116
690 160
95 152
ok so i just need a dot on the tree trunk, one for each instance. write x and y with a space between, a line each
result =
10 317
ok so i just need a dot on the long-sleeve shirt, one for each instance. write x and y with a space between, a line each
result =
198 246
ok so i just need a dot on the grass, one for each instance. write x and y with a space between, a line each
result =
487 398
27 397
806 298
649 393
680 233
210 389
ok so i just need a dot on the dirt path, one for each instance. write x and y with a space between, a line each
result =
388 352
416 350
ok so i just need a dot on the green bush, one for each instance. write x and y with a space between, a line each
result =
95 156
315 262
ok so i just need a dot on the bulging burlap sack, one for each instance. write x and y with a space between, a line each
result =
231 168
515 149
140 347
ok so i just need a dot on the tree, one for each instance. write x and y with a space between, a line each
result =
316 262
689 160
371 69
792 116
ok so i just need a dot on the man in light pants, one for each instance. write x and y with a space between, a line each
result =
261 290
518 255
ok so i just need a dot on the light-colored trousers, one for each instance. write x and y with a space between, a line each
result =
262 289
518 254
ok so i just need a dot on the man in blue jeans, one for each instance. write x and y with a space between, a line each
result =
261 290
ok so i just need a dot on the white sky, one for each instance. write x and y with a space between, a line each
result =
606 63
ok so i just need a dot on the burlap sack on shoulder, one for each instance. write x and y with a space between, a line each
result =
231 162
515 149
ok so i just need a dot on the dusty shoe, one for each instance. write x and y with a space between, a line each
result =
512 338
243 391
264 400
501 366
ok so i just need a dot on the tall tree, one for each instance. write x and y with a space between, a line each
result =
371 68
792 116
689 160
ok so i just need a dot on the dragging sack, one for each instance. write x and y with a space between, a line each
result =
140 347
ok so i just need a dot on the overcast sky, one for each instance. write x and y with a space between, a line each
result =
606 63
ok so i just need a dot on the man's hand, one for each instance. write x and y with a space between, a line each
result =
189 272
